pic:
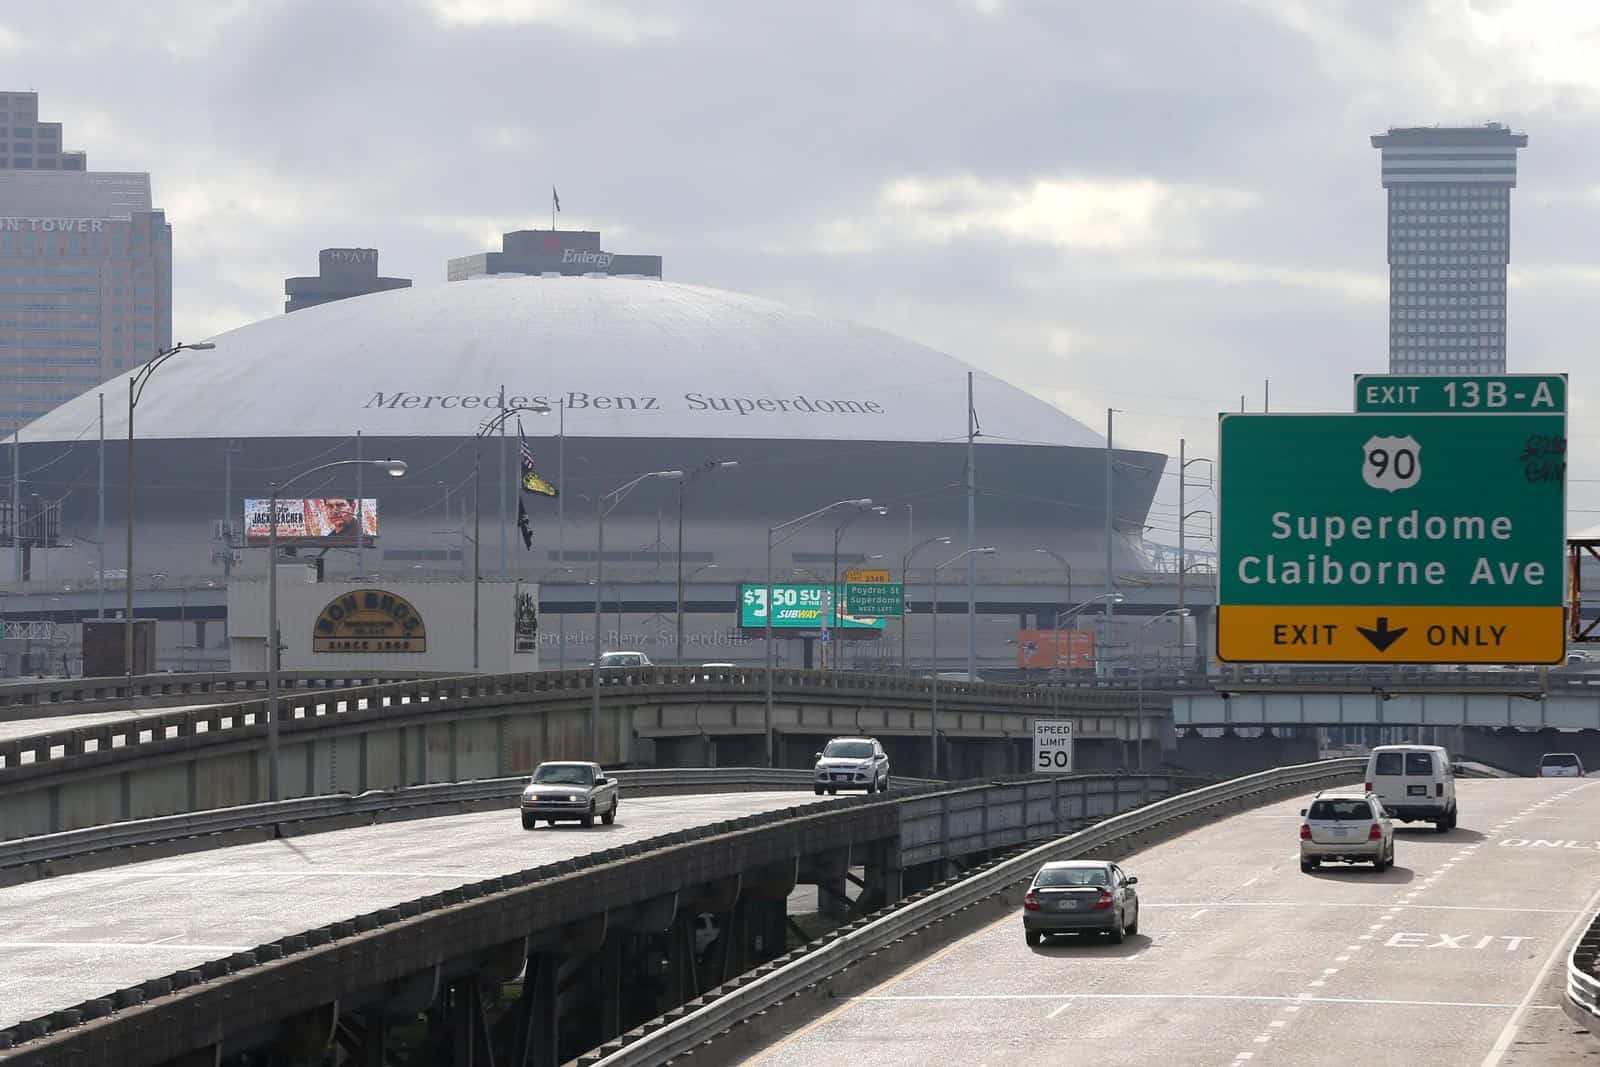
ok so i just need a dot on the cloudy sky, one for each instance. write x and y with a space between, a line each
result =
1143 204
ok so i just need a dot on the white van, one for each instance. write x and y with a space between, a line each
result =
1414 783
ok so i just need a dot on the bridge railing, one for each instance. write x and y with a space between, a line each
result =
56 691
1582 1001
311 710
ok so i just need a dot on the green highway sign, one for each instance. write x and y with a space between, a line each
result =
1494 394
1392 538
875 600
799 607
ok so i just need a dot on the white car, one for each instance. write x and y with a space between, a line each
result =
1560 765
1347 827
851 763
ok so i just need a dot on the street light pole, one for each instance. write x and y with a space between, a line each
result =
601 510
933 719
395 469
683 486
495 422
833 583
905 586
793 526
136 384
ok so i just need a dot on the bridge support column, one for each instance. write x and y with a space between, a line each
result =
885 878
536 1039
827 872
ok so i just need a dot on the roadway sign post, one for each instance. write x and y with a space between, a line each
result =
1052 746
1404 538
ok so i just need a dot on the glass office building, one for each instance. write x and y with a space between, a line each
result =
85 268
1449 245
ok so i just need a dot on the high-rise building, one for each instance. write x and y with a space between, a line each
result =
1449 244
85 267
341 273
566 252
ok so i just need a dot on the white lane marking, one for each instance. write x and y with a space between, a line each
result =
1063 1007
1199 913
1251 882
1299 998
131 946
1340 904
1278 1023
1508 1034
1262 1039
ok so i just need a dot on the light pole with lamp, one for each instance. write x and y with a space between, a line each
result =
489 426
601 509
1183 518
1064 566
394 468
833 575
933 720
1109 598
793 526
136 384
683 488
1176 613
905 587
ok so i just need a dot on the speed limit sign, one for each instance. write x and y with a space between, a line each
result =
1052 746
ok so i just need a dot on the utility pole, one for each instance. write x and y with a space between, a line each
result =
16 497
1183 560
1103 657
100 545
972 537
228 452
361 528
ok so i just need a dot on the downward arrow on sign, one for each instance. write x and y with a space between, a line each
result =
1382 637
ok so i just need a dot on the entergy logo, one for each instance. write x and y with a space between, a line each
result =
1391 463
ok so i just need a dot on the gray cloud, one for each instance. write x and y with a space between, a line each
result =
1141 204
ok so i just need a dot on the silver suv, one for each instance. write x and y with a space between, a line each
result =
1345 826
851 763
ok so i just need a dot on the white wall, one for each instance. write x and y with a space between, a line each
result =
445 608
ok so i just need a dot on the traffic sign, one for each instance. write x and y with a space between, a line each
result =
856 576
875 600
1414 538
1052 746
1494 394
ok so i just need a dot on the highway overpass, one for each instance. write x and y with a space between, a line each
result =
1452 956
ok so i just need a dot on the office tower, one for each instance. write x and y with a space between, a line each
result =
341 273
1449 243
85 267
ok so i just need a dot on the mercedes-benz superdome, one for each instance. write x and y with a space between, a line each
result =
640 376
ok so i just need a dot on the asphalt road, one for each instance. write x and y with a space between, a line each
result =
1454 956
66 939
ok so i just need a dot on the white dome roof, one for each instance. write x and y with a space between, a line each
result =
629 357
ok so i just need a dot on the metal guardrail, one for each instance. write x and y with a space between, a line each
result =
775 982
224 723
70 844
1582 1001
57 691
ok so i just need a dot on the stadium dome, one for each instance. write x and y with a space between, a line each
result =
627 358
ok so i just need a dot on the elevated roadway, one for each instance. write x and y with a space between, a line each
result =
1453 956
65 939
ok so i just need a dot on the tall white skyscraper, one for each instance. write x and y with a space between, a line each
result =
1449 244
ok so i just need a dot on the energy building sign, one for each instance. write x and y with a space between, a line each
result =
1420 537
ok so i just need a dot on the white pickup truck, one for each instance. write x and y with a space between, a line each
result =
571 791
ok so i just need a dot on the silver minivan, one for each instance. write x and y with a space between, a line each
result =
1414 783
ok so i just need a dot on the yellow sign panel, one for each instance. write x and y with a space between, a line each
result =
1295 634
867 577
